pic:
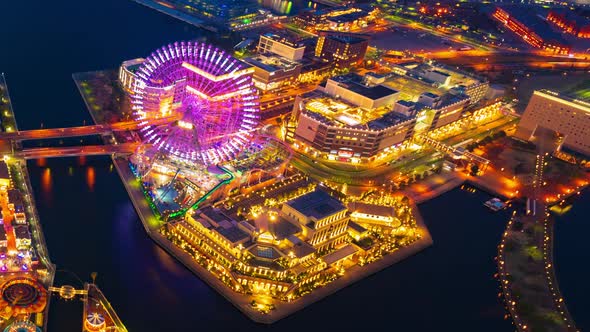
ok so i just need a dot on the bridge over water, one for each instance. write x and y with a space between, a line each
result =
75 151
23 135
457 153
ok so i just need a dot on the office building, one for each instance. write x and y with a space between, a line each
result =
342 49
567 116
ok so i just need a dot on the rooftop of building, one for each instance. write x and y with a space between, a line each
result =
413 83
22 232
271 63
534 19
4 173
214 214
430 95
348 17
582 100
571 16
336 112
371 209
356 227
346 38
265 251
134 64
317 204
340 254
233 234
300 248
355 83
458 77
406 103
388 120
285 37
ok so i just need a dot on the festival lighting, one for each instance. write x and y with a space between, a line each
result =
210 93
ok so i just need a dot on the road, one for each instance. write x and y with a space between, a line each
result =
49 133
89 150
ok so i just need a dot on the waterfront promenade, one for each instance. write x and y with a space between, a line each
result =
438 184
242 301
526 266
45 272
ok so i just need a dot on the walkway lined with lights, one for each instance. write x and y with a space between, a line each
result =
536 214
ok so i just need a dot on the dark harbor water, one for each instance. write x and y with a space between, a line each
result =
90 224
572 254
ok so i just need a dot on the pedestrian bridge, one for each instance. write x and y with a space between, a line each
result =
455 152
100 129
75 151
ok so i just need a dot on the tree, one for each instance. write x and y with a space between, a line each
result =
474 170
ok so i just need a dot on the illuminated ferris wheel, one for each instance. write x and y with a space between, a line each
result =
196 102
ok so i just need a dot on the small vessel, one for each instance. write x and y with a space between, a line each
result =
495 204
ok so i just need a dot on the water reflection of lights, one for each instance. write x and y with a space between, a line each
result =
169 263
90 177
46 182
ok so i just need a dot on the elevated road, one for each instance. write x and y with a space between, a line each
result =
24 135
74 151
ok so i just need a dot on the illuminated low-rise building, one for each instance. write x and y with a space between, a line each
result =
283 44
128 74
22 236
567 116
3 239
524 22
4 175
350 121
570 22
272 71
357 90
439 79
273 248
323 219
342 131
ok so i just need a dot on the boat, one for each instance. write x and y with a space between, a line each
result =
495 204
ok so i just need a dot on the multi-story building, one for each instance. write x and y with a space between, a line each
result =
443 79
322 218
274 248
359 91
272 71
567 116
342 131
524 22
350 120
127 74
570 22
342 49
283 44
